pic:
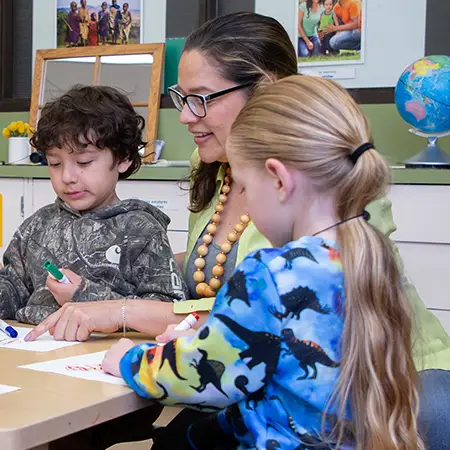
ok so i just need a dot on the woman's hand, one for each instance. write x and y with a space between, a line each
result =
111 361
309 44
76 321
63 293
170 334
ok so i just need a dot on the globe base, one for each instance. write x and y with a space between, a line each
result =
431 157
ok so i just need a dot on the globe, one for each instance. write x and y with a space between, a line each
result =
422 95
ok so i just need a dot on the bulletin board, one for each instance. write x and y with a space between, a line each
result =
394 38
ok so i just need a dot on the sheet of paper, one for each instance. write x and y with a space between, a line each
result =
88 367
44 343
6 389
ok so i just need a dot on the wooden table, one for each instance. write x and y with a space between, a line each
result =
49 406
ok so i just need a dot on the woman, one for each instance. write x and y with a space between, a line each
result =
221 65
309 13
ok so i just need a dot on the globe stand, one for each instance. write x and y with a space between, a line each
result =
432 156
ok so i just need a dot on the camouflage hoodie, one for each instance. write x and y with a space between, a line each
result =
121 250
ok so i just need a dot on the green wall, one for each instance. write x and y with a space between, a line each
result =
391 134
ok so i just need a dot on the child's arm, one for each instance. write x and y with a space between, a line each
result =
154 273
15 285
232 355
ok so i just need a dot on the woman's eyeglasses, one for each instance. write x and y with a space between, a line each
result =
197 103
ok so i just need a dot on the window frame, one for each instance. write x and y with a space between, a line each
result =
7 102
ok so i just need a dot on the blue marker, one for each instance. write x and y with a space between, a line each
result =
8 329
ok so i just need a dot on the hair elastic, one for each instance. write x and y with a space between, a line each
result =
359 151
365 215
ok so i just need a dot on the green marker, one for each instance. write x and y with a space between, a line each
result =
55 273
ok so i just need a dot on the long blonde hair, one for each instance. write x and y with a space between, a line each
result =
313 125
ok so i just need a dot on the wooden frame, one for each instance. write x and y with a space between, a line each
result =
156 50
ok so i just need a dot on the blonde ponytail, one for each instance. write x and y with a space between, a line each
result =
313 125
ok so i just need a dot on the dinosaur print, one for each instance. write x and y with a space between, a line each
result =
296 301
257 256
297 252
203 333
307 440
241 382
307 353
237 289
210 371
263 347
169 354
272 444
200 406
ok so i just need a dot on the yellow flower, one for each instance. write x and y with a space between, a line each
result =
19 123
21 129
6 133
12 127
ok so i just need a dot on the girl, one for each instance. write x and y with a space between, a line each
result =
93 30
103 23
308 345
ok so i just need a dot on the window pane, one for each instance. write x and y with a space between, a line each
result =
22 48
231 6
182 17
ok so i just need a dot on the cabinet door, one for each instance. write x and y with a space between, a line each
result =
171 197
12 191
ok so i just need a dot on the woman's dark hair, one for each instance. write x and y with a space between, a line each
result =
245 48
308 7
97 115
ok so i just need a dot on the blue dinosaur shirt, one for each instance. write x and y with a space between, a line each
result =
271 348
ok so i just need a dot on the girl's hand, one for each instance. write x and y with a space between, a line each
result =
111 361
170 334
309 44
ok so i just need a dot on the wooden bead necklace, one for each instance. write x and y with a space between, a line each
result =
209 289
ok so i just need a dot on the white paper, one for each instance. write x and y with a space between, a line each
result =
88 367
6 389
44 343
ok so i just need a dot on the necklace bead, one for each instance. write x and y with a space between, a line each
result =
209 289
211 228
200 263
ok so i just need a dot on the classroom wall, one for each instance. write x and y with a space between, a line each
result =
394 37
390 133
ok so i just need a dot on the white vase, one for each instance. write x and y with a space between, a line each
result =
18 150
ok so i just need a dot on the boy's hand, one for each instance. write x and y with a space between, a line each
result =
63 293
170 334
111 361
330 29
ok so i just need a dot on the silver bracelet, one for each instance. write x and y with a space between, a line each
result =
124 327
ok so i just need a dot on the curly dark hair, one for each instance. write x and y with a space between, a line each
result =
97 115
245 48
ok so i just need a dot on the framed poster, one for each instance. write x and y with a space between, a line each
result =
95 22
330 32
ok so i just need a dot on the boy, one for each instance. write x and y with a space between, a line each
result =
327 19
90 138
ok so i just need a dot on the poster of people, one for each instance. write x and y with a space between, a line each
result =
92 23
330 32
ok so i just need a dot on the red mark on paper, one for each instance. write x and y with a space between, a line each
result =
85 368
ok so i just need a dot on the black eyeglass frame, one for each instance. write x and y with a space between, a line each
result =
204 98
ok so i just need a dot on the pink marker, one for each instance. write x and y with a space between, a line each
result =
188 322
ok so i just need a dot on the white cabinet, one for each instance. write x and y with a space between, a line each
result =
422 216
12 190
171 197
